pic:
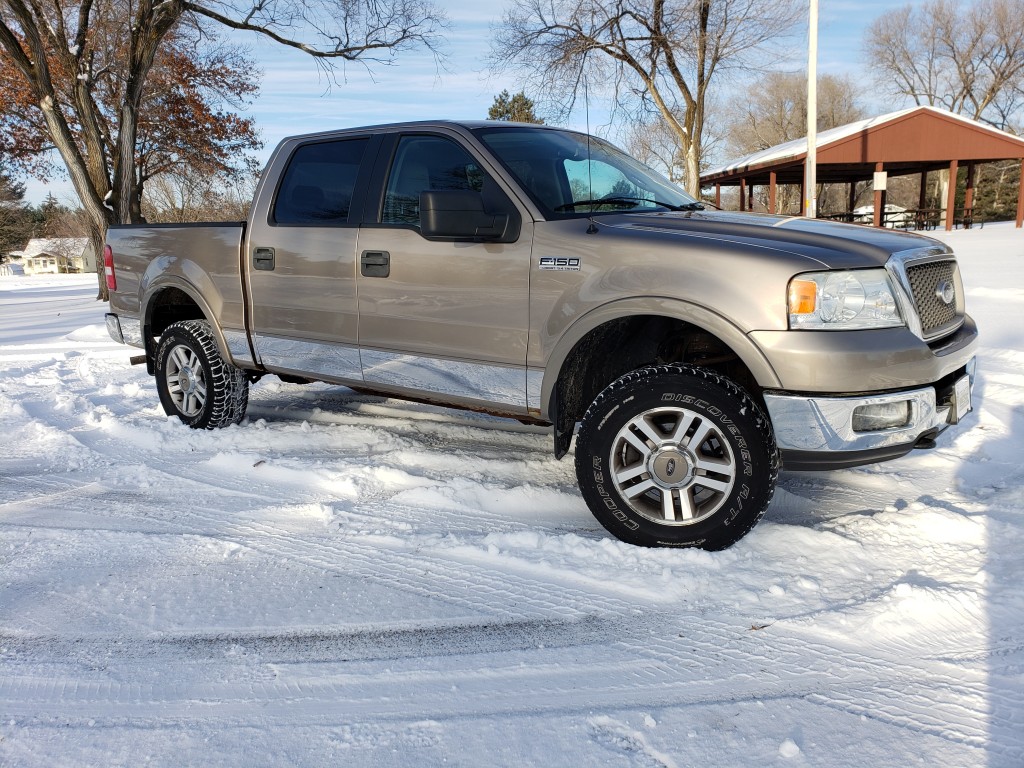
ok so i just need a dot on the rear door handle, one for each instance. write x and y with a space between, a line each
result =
375 264
263 259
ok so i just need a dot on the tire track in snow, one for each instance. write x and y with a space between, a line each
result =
484 590
318 645
642 663
180 467
926 698
473 587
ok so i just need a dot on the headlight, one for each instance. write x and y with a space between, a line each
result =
842 301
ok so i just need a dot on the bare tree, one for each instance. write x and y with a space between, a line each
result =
776 112
58 47
185 195
965 57
650 139
654 143
662 54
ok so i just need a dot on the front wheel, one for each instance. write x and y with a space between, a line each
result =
195 383
676 456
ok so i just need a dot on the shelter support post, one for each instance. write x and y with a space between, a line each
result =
969 192
772 179
718 196
922 197
879 216
852 202
951 195
1020 196
743 194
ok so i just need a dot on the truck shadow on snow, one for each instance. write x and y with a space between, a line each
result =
1000 504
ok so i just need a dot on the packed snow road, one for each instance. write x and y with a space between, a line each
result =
344 579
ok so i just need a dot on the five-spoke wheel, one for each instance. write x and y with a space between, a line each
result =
674 455
673 465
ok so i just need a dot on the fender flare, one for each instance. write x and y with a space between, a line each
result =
693 314
162 283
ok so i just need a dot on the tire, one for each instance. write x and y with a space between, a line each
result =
676 456
195 383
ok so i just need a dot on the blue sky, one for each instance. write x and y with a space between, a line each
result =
296 98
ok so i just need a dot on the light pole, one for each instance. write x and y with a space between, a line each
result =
811 164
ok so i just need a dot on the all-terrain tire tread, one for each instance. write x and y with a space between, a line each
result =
228 385
761 423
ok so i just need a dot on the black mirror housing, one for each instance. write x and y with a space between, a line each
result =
460 215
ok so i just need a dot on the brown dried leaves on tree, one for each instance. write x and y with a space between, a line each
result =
125 90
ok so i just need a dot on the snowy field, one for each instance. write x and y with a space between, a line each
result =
349 580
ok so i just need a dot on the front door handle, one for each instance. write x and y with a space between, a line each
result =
263 259
375 264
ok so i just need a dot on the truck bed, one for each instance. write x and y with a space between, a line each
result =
201 260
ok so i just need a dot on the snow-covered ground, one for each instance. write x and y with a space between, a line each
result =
348 580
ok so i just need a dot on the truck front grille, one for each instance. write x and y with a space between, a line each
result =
927 282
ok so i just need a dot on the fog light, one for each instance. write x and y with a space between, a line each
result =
868 418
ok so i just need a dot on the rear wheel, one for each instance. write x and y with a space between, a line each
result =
195 383
676 456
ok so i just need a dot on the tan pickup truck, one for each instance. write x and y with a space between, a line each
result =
543 275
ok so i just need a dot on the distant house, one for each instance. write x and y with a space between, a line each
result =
56 255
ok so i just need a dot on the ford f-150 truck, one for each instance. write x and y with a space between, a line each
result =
543 275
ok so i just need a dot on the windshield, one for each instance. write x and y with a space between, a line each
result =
565 177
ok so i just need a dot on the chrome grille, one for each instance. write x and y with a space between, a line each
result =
925 281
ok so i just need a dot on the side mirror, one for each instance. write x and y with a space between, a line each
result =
460 215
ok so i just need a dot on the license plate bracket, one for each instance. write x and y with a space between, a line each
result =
961 404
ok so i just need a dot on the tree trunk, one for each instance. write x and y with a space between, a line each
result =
693 169
97 239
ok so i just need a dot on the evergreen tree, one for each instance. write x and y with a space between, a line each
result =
15 218
517 109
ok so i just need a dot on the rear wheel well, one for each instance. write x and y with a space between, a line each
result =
626 344
170 306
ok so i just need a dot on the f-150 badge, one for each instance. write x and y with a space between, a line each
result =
560 263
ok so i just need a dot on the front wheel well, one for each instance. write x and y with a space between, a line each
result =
626 344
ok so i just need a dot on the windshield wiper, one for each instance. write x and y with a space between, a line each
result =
625 199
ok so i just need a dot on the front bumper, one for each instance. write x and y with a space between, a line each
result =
818 432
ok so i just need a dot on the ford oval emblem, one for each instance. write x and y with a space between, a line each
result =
945 291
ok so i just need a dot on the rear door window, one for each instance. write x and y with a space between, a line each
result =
319 185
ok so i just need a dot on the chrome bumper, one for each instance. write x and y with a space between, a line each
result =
124 330
823 425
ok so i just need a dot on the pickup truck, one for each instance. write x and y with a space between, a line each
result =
543 275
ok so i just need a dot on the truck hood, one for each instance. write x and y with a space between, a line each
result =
833 245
